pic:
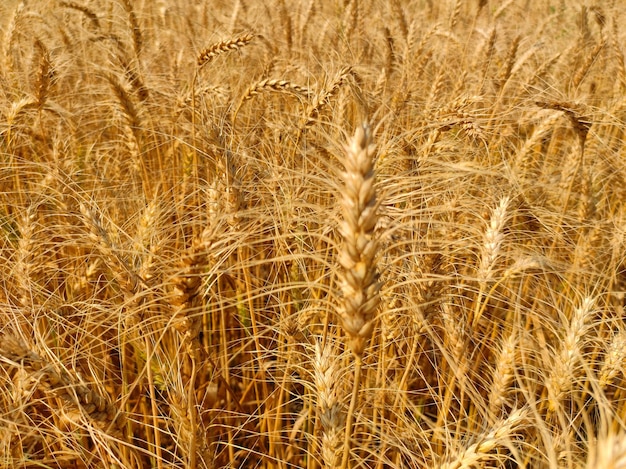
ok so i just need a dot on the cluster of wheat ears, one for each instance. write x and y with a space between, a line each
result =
312 234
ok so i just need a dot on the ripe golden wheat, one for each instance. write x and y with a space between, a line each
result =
312 234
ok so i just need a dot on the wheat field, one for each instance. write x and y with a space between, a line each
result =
312 234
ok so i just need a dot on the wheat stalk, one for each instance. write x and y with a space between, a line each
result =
358 278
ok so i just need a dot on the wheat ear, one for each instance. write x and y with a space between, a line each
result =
614 360
208 54
479 451
84 10
569 358
358 277
326 372
133 23
279 86
45 74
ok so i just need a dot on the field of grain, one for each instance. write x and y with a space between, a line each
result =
312 234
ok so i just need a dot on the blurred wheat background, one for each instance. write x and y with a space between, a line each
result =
308 234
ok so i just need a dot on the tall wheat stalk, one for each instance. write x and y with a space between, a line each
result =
358 278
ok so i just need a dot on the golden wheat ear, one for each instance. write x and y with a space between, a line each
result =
208 54
358 277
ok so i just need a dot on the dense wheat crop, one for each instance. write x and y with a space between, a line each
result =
312 234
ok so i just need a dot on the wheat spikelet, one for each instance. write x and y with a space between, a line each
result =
9 35
350 18
307 19
208 54
457 114
598 15
144 243
501 9
619 56
456 332
389 53
24 262
528 159
129 110
576 114
186 286
587 202
454 16
287 28
485 56
131 124
187 435
130 67
281 86
358 278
